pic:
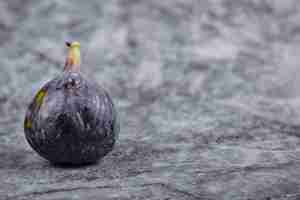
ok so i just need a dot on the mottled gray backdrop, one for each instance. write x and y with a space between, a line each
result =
207 91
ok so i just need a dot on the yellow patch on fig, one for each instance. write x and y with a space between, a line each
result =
40 97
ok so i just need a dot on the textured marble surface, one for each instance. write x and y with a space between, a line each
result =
207 91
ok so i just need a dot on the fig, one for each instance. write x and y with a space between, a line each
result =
72 120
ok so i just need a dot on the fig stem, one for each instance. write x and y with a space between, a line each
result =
73 58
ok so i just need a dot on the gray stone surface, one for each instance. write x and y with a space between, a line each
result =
207 93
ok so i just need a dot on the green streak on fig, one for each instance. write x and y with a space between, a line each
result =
28 124
72 120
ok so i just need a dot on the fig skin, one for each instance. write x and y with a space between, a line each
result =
71 121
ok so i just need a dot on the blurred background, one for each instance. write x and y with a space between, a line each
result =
207 93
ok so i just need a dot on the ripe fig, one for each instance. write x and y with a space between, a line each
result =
72 120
